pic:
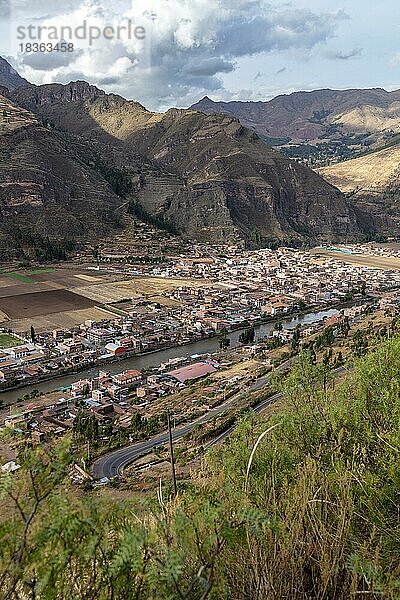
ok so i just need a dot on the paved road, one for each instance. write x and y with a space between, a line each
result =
258 409
110 465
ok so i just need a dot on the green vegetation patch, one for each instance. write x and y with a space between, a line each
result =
112 309
8 341
20 277
27 276
304 504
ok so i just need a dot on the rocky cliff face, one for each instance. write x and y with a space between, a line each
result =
35 97
50 191
206 174
229 172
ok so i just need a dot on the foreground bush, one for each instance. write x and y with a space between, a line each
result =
311 512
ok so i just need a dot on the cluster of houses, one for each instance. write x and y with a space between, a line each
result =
111 398
21 361
236 288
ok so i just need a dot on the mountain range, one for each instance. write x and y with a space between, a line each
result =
74 159
321 126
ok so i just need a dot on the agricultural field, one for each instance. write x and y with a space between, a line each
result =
238 369
61 320
361 260
8 341
42 303
26 276
47 299
105 293
148 287
65 297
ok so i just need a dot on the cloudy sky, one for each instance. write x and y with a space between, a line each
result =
227 49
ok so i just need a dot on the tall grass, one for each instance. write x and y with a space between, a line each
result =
324 485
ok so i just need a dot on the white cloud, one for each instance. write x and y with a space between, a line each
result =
189 44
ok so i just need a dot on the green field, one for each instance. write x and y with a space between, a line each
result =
8 341
27 276
19 277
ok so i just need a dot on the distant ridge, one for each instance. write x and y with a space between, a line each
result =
301 116
9 78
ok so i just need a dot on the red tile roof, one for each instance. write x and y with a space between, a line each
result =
194 371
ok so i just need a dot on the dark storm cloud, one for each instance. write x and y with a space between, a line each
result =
46 61
109 81
208 67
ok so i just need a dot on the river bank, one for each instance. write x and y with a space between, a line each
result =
152 359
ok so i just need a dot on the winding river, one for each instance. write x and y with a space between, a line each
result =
154 359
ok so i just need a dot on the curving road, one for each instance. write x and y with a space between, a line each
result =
110 465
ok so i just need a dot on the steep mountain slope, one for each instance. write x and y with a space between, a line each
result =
208 175
372 173
9 78
50 195
373 182
319 126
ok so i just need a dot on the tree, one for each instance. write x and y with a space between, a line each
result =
326 359
275 342
363 288
33 335
86 426
224 341
326 338
248 336
301 305
296 339
359 343
313 356
137 422
344 327
96 254
339 360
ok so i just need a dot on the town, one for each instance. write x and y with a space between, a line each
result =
256 305
113 401
221 291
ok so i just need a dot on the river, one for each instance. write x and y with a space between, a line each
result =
156 358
